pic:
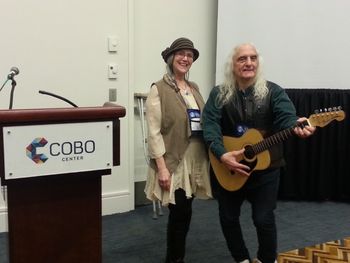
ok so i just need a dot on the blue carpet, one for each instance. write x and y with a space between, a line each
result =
134 237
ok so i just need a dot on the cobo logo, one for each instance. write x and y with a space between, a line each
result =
31 150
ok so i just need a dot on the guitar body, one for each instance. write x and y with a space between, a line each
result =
233 181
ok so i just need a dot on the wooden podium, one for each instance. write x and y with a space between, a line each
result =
52 163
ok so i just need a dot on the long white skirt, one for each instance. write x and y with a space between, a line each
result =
192 175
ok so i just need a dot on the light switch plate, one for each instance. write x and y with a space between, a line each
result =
112 44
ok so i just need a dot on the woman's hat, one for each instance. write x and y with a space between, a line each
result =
180 43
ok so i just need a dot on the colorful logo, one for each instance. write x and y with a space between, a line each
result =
31 150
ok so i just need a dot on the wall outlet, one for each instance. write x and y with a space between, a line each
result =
112 71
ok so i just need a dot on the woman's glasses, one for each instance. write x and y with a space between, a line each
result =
182 54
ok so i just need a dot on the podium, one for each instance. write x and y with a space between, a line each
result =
52 164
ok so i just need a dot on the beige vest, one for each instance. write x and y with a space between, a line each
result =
175 127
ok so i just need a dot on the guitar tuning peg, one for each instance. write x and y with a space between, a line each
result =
339 107
330 109
317 111
325 109
334 108
320 110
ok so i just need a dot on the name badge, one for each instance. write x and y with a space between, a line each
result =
195 120
239 129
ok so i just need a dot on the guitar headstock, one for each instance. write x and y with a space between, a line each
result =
323 117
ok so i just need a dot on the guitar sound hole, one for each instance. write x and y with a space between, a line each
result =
249 152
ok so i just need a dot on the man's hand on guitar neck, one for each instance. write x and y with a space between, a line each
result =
230 161
304 131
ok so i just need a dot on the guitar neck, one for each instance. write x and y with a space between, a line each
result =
276 138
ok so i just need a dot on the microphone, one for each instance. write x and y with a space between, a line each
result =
13 72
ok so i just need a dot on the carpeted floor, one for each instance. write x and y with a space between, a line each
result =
134 237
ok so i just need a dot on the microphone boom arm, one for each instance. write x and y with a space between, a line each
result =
58 97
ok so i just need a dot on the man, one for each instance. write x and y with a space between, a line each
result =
246 100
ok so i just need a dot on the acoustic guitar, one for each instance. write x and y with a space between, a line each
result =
256 154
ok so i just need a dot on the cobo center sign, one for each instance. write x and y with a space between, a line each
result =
57 148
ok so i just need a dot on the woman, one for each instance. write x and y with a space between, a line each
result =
179 168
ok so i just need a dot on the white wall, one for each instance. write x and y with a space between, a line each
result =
61 47
304 43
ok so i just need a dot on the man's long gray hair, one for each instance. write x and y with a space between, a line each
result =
228 87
